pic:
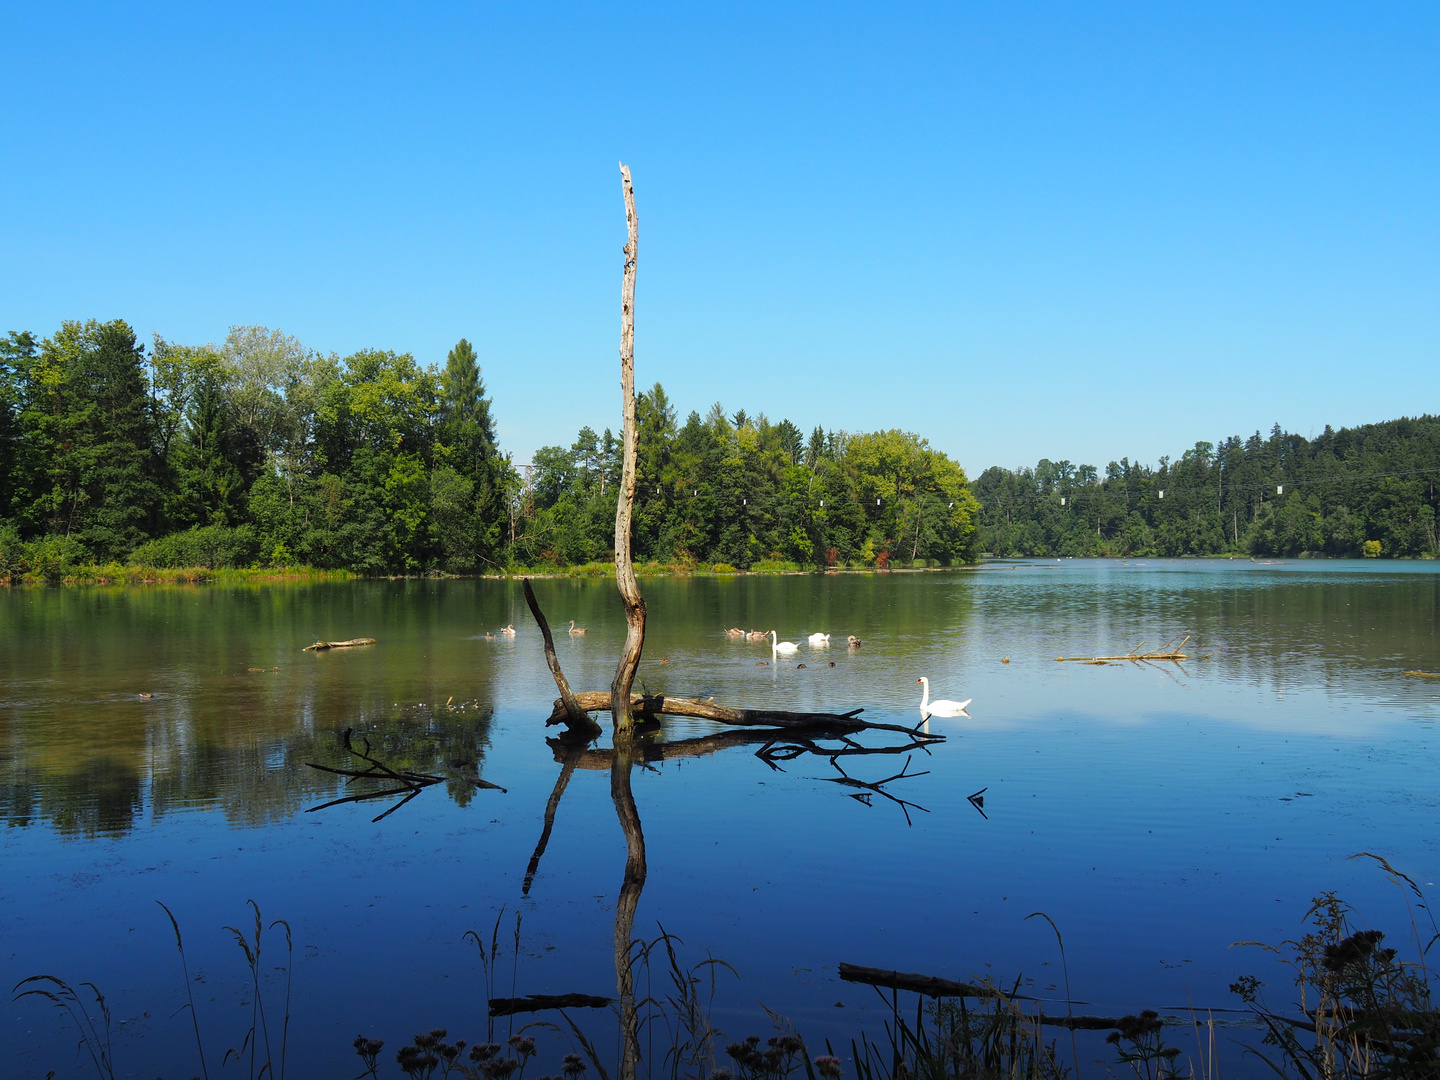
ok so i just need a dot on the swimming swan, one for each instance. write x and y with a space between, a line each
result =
819 639
783 648
940 707
508 631
576 630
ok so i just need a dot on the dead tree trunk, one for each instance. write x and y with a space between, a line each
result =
624 570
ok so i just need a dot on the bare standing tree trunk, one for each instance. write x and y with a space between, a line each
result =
624 569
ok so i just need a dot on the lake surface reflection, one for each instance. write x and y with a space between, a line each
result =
1156 812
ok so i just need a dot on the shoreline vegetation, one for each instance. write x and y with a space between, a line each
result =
260 454
112 574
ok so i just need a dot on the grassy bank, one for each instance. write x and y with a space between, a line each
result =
126 574
696 569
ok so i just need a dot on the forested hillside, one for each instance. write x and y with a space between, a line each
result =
261 452
1368 490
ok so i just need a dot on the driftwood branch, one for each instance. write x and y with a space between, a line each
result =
576 718
624 569
1168 651
321 646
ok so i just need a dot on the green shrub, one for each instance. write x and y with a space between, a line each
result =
53 558
213 547
14 555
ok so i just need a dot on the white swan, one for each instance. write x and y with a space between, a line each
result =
941 707
508 631
781 648
819 639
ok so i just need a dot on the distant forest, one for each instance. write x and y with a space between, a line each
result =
259 452
1367 490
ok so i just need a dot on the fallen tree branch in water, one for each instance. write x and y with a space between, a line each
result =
575 718
321 646
936 987
1167 651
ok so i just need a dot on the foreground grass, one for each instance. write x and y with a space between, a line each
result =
1355 1010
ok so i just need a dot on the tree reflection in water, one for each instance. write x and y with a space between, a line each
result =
774 747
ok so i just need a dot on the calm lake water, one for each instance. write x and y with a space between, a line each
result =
1157 813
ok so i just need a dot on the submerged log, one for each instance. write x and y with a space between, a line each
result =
1168 651
933 986
541 1002
321 646
1424 674
774 747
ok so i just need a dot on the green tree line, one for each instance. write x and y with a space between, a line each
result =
738 490
254 452
262 452
1367 490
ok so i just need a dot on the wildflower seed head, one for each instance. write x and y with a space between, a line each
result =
828 1066
1352 950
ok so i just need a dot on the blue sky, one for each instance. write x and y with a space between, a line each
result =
1022 231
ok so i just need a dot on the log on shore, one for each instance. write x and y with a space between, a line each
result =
651 704
321 646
